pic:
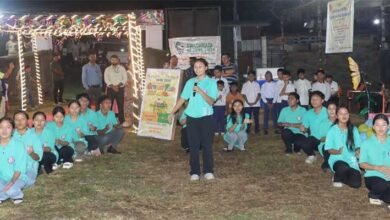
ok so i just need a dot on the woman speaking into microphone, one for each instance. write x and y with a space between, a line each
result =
201 93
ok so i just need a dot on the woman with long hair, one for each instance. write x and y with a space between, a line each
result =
342 142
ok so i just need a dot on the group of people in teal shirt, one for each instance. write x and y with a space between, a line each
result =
329 131
26 152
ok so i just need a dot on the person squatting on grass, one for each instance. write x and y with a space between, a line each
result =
326 124
375 160
290 119
46 136
236 128
109 129
90 117
311 125
63 138
201 93
343 143
31 144
78 127
13 162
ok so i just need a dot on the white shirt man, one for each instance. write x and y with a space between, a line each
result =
303 86
251 89
115 75
278 88
323 87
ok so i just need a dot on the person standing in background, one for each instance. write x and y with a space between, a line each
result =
229 69
303 86
334 90
251 93
115 76
92 78
321 85
5 73
267 92
58 79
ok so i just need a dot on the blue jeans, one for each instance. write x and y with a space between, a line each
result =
255 111
219 117
267 111
15 192
31 177
236 139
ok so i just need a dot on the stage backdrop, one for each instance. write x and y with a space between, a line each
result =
159 98
339 28
208 48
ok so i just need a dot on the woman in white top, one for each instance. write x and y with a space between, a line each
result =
267 96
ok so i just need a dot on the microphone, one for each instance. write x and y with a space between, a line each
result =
195 84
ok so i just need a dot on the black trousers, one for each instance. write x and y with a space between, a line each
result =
92 142
309 144
119 97
200 132
184 138
289 138
58 91
65 154
378 188
347 175
48 159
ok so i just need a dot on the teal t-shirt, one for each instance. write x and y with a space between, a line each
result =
312 121
197 105
336 139
29 139
375 153
182 117
103 120
325 126
90 117
288 115
48 140
74 125
63 133
240 122
13 158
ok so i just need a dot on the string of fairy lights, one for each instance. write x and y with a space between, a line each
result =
75 26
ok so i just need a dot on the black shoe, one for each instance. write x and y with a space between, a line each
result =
277 132
112 150
265 132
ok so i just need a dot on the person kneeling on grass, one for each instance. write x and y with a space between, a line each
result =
342 143
31 144
110 131
290 119
63 139
13 164
78 127
375 160
50 154
237 122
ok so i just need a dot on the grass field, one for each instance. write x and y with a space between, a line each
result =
150 181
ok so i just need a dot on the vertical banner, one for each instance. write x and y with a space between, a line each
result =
208 48
159 98
339 28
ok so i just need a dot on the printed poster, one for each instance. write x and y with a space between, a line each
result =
208 48
159 98
339 28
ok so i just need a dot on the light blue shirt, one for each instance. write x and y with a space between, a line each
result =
376 153
104 120
288 115
48 140
197 105
312 120
91 75
13 158
90 117
337 139
29 139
